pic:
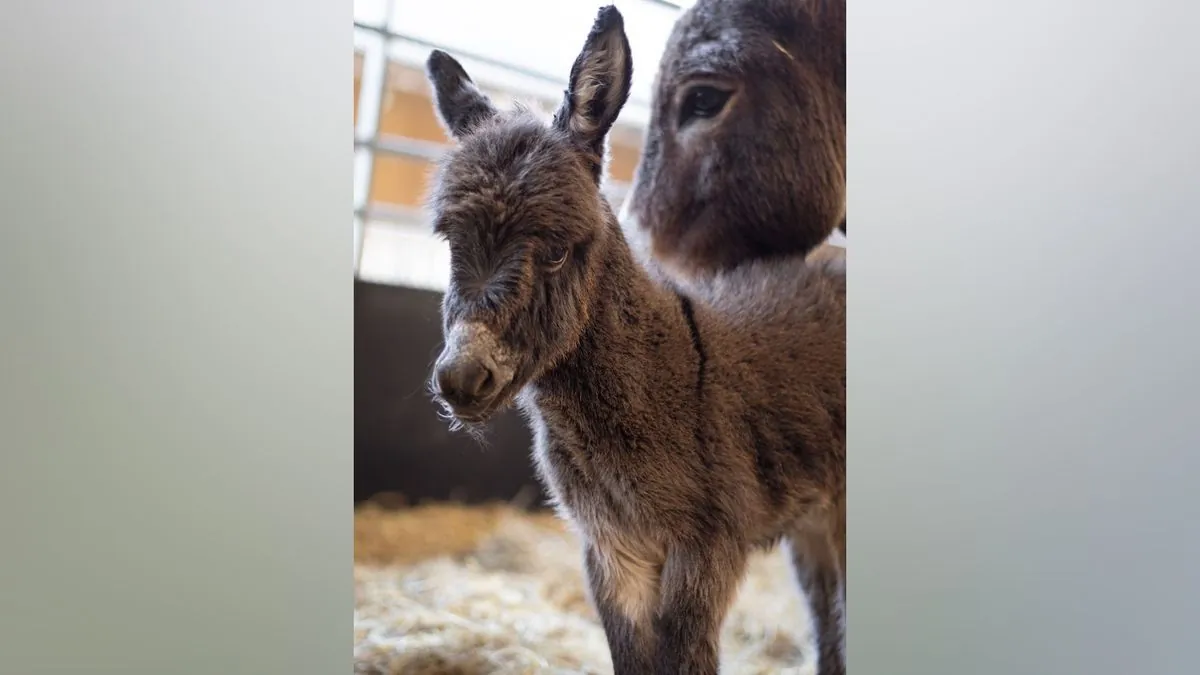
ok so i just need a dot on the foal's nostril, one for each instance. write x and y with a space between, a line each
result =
465 381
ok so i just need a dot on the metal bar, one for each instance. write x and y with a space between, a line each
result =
370 108
364 157
403 146
371 85
394 214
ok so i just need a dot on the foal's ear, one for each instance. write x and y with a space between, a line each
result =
460 103
599 83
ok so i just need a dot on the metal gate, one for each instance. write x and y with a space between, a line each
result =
515 49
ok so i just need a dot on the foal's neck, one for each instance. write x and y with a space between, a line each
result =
640 349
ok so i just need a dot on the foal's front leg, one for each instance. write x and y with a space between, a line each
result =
698 586
625 595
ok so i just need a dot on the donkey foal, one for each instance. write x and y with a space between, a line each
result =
677 432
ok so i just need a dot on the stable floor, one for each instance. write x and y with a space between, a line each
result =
452 590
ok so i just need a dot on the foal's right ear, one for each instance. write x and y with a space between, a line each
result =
460 103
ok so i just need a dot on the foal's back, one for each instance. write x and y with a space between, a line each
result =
774 338
789 312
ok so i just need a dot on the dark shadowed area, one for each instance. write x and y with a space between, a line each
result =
400 443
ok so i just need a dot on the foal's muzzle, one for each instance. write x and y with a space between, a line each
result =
472 373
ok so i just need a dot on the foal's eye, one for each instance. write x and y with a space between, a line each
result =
702 101
555 258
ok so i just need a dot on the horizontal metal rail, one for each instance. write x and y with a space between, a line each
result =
403 146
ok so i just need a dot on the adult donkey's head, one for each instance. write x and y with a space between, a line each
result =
746 151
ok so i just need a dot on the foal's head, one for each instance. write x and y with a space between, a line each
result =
745 152
518 201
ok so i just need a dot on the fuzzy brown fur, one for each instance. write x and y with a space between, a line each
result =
745 154
677 431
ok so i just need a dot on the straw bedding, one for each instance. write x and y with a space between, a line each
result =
452 590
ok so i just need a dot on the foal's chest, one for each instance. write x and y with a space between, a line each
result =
598 472
595 485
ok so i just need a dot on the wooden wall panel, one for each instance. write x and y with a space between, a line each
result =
622 161
400 181
407 113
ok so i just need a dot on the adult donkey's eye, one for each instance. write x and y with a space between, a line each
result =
702 101
555 258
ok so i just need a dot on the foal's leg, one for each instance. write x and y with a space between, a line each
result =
698 586
819 561
625 594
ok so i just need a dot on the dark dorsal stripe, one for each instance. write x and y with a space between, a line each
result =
689 315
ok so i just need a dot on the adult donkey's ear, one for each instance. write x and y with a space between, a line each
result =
460 104
599 84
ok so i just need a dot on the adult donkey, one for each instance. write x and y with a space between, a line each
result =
745 155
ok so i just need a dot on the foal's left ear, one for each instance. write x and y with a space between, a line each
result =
460 103
599 83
